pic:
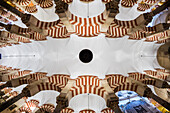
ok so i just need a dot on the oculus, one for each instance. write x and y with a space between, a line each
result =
85 55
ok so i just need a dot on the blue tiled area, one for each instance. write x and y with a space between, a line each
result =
140 106
131 102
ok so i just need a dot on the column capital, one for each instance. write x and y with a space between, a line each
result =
61 6
148 93
25 18
113 102
148 17
62 103
113 7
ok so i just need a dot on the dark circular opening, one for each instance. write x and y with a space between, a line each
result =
85 56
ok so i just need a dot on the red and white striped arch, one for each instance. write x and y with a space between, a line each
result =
119 82
106 1
37 37
164 76
157 74
67 1
24 30
31 9
150 1
115 31
23 2
32 103
160 70
32 78
59 80
115 79
58 32
45 3
25 72
107 110
142 77
127 24
128 3
67 110
161 41
151 72
76 90
26 81
8 15
126 86
5 67
38 75
86 0
138 35
46 25
88 80
143 6
47 107
12 76
137 75
158 37
150 29
19 38
153 38
87 27
87 111
25 109
48 86
149 81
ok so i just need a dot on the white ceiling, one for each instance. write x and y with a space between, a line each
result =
110 56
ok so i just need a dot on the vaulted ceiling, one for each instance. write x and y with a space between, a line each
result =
123 36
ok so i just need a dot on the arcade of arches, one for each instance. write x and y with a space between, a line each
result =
84 56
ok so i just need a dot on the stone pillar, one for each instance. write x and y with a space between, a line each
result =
63 13
62 103
112 9
63 99
113 104
112 100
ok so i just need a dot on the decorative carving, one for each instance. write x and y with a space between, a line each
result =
62 103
